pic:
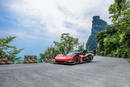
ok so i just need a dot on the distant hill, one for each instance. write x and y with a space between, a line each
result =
98 25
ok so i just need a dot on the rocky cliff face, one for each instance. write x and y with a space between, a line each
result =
98 25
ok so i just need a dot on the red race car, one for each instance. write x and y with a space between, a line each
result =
74 57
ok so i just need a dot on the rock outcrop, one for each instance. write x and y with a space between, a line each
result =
98 25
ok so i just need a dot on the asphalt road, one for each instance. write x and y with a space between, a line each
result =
101 72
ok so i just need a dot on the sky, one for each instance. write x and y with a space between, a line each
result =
37 23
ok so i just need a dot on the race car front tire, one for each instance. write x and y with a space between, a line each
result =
76 59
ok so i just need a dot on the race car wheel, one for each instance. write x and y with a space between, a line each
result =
90 58
76 59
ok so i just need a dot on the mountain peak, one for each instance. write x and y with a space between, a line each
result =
96 17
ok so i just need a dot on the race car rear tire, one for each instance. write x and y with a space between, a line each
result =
90 58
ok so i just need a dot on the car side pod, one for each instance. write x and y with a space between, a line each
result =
81 60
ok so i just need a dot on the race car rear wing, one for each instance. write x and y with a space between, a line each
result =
81 53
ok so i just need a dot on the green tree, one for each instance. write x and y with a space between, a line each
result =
66 44
13 53
114 41
6 49
4 44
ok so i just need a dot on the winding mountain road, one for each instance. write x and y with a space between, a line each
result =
101 72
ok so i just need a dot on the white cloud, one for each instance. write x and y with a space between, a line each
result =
50 15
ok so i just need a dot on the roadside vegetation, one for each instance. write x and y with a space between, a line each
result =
67 44
11 51
115 39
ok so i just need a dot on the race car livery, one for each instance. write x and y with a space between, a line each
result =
74 57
